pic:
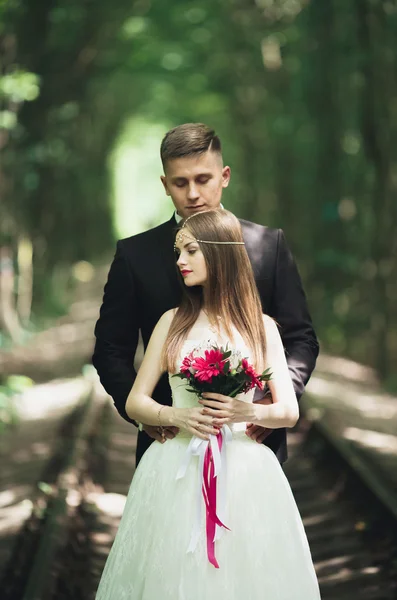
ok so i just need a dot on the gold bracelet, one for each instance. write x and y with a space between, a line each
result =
160 425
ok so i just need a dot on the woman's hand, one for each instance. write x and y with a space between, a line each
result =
195 422
226 410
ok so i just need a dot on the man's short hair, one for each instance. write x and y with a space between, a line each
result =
189 139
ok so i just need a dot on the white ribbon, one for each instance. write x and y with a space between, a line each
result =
198 447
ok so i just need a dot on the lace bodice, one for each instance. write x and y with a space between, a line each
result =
181 397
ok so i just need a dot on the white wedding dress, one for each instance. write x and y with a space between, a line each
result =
263 556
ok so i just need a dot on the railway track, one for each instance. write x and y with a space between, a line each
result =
32 567
352 536
61 550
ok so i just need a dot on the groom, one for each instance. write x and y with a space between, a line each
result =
143 284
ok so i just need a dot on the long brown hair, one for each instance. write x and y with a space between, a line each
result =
230 292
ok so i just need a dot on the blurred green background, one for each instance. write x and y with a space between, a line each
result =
303 95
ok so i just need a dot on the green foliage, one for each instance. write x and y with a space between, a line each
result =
13 386
8 414
19 86
302 94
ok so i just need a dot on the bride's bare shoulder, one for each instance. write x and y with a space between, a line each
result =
268 321
163 325
271 328
168 316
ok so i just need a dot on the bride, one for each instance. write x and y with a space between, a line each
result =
165 548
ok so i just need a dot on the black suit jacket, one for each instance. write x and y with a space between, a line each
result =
143 284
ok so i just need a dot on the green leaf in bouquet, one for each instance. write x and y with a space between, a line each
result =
227 354
193 391
266 375
237 390
226 367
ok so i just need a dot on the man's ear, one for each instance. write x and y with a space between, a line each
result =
226 174
164 182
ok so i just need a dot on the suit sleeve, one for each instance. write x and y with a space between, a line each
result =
117 332
289 308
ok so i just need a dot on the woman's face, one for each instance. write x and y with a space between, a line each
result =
191 261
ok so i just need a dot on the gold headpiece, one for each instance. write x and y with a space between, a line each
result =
181 235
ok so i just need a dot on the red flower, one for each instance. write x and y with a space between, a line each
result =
186 364
250 371
208 367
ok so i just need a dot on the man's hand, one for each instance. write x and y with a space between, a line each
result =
256 432
155 432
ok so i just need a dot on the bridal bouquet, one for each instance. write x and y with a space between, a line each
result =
210 368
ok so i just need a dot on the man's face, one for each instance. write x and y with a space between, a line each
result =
195 183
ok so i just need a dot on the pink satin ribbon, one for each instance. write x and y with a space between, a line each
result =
212 477
209 494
